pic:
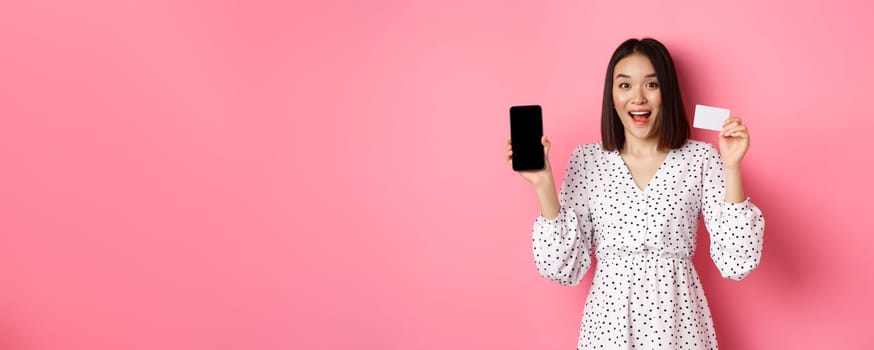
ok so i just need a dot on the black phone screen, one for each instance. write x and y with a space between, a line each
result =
526 129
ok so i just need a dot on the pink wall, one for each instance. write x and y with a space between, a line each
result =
327 175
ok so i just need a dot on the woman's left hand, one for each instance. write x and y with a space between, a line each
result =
734 141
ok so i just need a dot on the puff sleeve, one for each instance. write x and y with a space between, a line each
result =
736 229
563 245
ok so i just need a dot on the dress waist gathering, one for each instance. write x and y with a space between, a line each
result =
645 253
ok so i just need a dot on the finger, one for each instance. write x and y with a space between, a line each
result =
729 130
738 134
734 134
546 144
730 124
731 119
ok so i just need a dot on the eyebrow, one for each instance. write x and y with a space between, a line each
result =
620 75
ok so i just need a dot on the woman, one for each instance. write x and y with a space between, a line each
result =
635 198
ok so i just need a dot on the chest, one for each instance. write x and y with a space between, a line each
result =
643 169
632 195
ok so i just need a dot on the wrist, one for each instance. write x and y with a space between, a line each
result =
547 184
731 167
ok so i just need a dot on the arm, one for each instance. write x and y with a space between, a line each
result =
562 235
734 141
735 224
548 199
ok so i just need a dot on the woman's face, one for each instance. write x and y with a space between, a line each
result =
636 95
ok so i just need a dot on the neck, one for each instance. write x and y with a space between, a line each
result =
641 147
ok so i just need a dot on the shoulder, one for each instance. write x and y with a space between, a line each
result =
588 157
697 148
591 147
592 150
701 153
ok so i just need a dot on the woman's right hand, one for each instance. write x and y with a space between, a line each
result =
542 180
536 178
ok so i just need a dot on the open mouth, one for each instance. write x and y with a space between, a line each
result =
640 117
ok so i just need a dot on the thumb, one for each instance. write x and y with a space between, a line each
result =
546 144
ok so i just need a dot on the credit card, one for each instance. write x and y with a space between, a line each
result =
710 118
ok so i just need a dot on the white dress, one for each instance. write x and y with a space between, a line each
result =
645 293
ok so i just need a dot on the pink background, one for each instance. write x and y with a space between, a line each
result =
329 175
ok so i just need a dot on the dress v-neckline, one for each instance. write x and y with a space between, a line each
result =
652 180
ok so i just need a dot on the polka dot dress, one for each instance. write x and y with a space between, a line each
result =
645 293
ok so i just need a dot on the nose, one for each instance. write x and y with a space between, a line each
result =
637 96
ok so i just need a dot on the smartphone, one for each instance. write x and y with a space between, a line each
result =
526 130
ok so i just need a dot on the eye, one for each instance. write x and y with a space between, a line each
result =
623 85
652 85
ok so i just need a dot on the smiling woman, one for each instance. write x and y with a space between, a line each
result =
638 74
636 94
634 200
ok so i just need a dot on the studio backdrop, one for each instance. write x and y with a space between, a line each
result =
330 174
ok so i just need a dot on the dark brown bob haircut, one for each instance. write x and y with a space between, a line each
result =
672 126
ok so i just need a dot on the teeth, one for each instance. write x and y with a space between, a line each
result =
639 113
